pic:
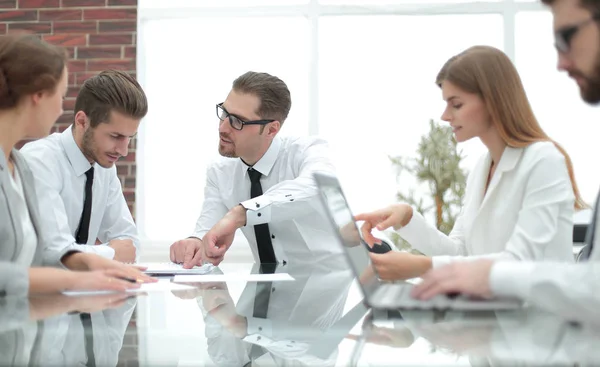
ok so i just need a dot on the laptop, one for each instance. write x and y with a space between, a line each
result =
379 294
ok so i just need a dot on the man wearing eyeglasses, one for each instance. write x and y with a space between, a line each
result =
572 290
263 185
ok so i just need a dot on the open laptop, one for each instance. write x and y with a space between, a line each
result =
379 294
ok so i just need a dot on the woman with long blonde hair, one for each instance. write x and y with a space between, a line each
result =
521 195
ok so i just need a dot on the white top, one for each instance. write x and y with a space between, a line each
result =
570 290
25 257
526 213
59 167
299 227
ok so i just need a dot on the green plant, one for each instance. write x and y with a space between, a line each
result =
438 166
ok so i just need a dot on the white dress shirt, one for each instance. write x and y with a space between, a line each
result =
300 230
63 341
30 240
299 312
570 290
59 167
526 213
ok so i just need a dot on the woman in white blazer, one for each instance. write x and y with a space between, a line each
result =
520 197
33 83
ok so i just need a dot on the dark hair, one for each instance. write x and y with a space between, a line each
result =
591 5
274 95
28 65
111 90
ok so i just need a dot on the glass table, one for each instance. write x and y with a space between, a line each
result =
317 319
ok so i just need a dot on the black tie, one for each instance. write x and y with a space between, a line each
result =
86 321
261 305
81 237
591 234
261 231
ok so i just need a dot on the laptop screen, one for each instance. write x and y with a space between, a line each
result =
340 214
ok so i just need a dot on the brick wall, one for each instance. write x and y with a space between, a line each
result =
99 35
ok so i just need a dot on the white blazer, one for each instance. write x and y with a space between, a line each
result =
526 213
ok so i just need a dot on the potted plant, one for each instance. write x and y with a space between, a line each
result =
437 166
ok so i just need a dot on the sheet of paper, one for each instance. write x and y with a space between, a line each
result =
232 277
172 268
160 286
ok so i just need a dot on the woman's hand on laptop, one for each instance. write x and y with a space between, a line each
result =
395 216
471 278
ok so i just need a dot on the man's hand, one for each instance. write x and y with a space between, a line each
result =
400 265
218 240
467 277
96 262
124 250
217 301
184 251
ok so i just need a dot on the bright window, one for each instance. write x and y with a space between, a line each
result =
361 75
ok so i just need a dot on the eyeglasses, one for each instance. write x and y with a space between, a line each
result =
236 122
564 36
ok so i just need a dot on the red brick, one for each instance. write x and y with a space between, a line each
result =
2 28
111 39
18 15
76 66
130 52
75 27
69 104
65 118
73 91
117 26
129 158
133 169
76 3
100 65
36 4
60 127
67 39
109 14
122 169
99 52
122 2
129 195
82 77
38 27
71 52
8 4
129 182
70 14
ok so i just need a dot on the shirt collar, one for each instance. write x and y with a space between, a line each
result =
266 163
78 161
509 159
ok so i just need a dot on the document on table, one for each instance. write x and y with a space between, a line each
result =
232 277
160 286
169 268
